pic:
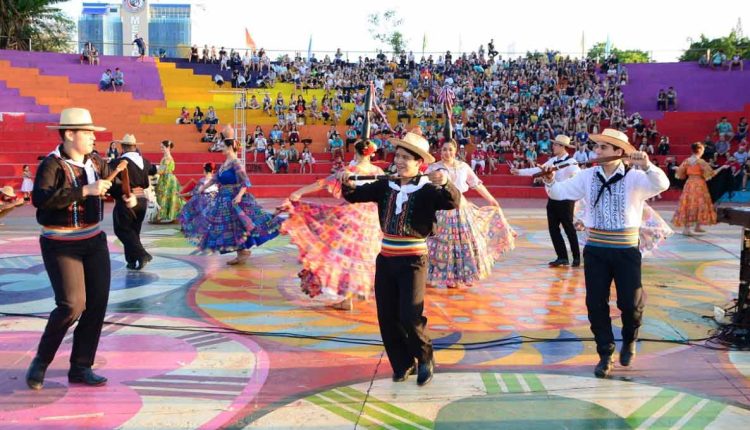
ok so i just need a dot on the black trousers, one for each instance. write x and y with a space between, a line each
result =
399 295
561 212
80 275
127 225
602 266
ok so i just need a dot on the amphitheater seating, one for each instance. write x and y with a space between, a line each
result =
36 86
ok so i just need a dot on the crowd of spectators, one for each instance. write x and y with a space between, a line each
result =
718 61
502 106
726 145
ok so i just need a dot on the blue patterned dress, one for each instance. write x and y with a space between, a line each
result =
225 226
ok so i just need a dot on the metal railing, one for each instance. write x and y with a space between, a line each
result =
350 56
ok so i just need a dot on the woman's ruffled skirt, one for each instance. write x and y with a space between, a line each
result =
168 198
337 247
466 244
695 205
224 226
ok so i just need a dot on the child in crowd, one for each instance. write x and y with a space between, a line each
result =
27 185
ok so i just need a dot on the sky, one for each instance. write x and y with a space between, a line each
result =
662 27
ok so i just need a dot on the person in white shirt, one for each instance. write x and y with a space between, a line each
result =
614 196
560 211
581 155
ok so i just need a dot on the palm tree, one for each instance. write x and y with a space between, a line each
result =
37 24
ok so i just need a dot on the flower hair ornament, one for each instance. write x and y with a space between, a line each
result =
370 149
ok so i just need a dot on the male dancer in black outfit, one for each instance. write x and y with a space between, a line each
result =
406 208
68 190
560 211
126 221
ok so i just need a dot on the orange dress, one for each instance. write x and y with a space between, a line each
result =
695 205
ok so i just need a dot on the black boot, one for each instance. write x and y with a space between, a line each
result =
404 375
424 372
35 374
559 262
604 367
627 353
84 375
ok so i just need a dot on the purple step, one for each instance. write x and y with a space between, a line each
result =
12 101
698 89
141 79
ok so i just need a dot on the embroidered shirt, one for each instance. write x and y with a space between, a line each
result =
619 207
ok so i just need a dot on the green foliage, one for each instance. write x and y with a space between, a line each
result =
34 22
625 56
731 45
384 28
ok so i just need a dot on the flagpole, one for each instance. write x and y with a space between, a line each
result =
583 45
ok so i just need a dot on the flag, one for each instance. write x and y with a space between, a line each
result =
369 95
607 47
424 43
583 44
309 49
249 42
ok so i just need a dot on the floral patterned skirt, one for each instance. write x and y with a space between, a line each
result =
337 247
695 205
224 226
466 244
168 198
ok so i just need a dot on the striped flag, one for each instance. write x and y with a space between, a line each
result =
371 104
447 97
249 42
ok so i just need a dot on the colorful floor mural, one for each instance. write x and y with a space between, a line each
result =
193 343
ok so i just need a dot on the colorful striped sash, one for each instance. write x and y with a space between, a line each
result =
67 233
625 238
400 246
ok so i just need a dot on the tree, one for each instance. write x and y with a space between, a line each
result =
731 45
36 24
625 56
384 28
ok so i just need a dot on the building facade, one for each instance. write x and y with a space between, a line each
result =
112 27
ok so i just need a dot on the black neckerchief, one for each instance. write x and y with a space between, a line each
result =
606 184
413 181
561 160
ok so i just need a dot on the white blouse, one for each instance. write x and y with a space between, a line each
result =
461 175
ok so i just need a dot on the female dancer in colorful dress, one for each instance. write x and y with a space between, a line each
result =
167 188
199 201
467 240
233 222
338 244
695 205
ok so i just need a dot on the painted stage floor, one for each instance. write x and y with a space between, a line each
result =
193 343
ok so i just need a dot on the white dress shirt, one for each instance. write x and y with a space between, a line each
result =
620 208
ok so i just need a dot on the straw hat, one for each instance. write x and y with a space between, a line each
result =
76 119
563 140
413 141
8 191
614 137
129 139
